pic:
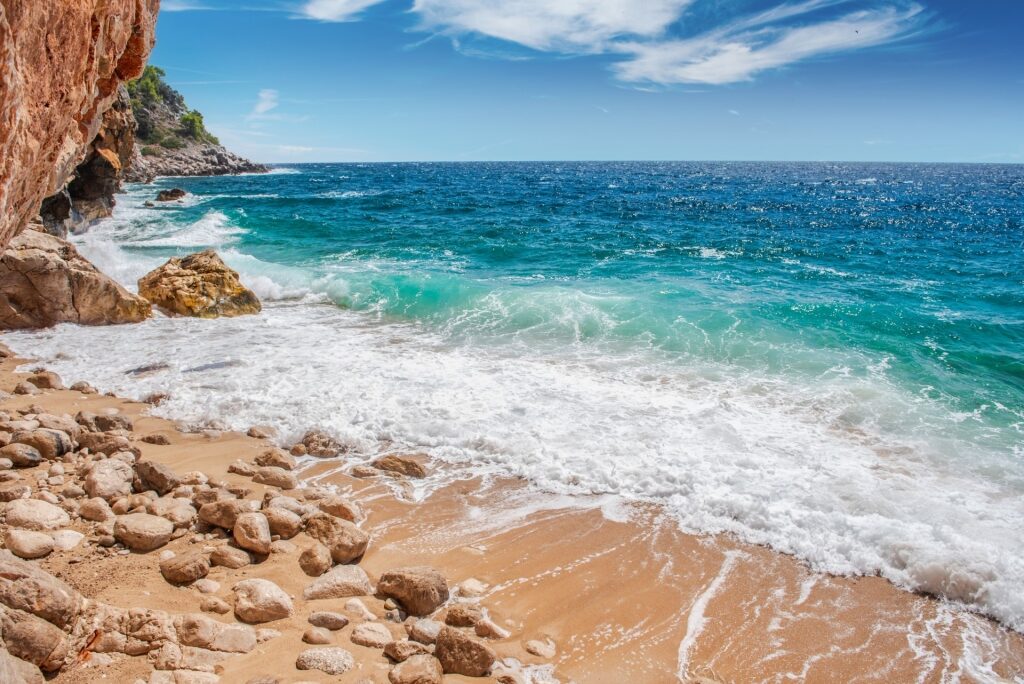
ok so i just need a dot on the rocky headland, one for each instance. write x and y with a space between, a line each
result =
172 139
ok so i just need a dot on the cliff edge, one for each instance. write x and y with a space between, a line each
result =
60 68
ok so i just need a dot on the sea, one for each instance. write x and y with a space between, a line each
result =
824 358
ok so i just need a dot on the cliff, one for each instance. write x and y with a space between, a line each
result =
61 64
172 139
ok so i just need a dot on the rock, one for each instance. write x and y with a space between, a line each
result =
104 443
21 491
224 513
541 649
252 532
364 471
158 440
170 195
51 444
320 444
419 590
34 640
230 557
332 661
33 514
198 285
157 476
275 499
23 586
265 634
371 634
463 615
45 281
109 479
472 588
179 511
21 455
276 477
404 649
462 654
95 509
241 468
276 458
261 432
201 631
340 507
404 465
66 540
328 620
260 600
83 387
424 631
46 380
418 669
283 523
206 586
487 628
315 560
25 388
212 604
28 544
17 671
316 635
186 568
343 581
345 541
142 531
108 422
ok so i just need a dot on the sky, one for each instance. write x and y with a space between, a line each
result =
470 80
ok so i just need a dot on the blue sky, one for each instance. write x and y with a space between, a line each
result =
386 80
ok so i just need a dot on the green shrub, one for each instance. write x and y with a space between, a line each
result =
151 151
172 143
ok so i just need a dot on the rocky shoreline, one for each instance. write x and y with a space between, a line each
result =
82 489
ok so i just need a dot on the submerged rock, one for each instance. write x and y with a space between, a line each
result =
45 281
170 195
199 285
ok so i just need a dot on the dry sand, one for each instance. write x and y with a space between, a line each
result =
623 594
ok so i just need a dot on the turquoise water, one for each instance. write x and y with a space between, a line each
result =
827 358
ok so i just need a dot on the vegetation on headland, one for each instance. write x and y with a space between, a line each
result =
162 116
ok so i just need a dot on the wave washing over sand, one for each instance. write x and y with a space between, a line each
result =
824 452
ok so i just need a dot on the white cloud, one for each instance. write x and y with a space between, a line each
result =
182 6
640 32
578 26
734 112
739 51
336 10
266 101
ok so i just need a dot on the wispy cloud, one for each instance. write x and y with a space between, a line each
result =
266 101
182 6
747 47
734 112
645 34
578 26
335 10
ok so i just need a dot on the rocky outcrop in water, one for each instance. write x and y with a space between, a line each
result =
45 281
199 285
60 67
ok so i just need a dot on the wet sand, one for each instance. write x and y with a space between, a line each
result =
619 590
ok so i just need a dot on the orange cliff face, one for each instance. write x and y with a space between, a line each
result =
60 67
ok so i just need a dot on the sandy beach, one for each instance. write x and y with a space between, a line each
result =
616 592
